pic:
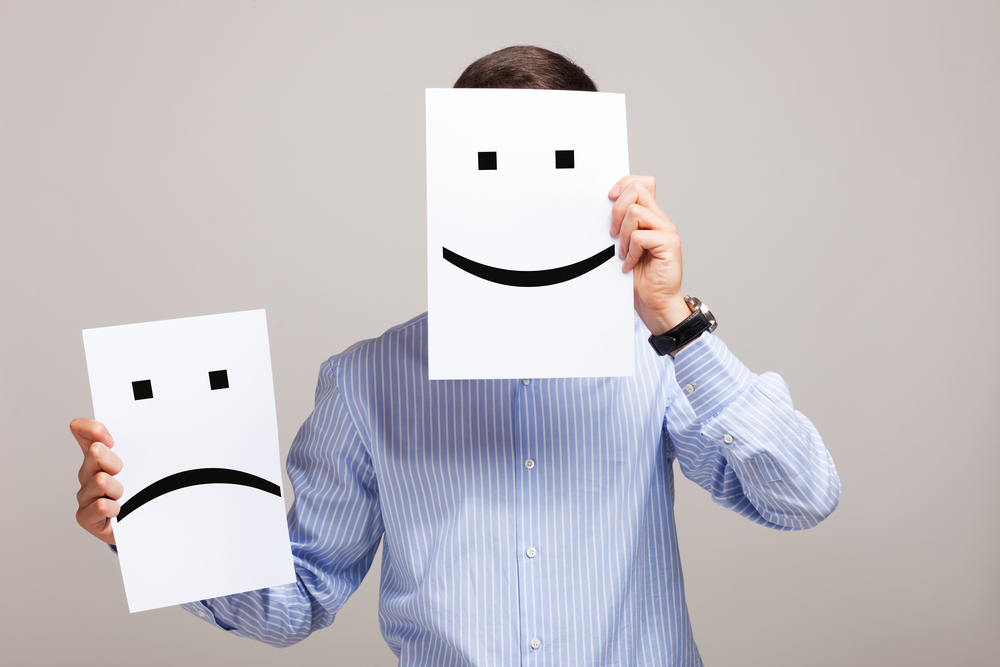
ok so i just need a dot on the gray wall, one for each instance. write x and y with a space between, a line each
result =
834 171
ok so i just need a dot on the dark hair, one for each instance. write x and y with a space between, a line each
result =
525 67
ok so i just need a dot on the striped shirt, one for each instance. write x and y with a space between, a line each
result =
526 521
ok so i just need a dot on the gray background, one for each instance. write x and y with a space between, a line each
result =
833 169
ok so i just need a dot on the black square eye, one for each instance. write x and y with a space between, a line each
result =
564 159
142 389
218 379
487 161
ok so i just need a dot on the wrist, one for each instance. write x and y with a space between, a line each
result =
699 320
675 312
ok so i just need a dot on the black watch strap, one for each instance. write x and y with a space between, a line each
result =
695 324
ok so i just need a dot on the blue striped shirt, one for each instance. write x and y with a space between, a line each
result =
526 521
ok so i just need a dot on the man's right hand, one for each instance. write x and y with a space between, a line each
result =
99 490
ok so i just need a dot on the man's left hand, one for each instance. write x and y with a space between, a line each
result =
651 248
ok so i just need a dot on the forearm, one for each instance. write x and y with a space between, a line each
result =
279 616
739 436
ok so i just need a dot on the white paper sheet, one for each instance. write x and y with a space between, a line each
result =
525 216
222 529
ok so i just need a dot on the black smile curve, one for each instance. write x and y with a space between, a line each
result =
529 278
187 478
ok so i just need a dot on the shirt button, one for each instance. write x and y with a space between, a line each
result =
531 552
201 612
689 387
529 463
728 439
525 382
535 644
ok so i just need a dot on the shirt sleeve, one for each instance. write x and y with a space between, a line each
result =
738 436
334 523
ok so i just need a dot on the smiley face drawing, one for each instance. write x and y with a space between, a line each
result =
523 278
190 403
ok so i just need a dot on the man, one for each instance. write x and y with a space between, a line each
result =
524 521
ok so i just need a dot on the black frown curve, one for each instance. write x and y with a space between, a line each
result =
195 477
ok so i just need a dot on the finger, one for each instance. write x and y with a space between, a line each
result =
648 181
99 458
88 431
635 192
95 518
101 485
640 217
657 243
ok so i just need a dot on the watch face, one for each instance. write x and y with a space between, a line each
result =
712 323
697 304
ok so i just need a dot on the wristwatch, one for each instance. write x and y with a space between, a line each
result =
698 322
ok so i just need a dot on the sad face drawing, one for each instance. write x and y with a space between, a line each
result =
191 403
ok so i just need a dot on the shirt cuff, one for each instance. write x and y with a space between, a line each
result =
710 375
201 610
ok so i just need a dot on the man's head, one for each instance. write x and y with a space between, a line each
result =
525 67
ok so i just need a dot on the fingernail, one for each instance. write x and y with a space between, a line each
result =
615 189
109 441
